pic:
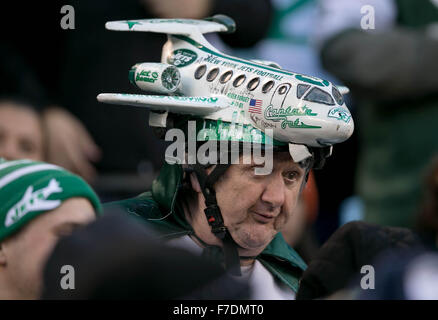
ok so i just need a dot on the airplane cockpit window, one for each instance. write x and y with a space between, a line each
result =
239 80
282 89
253 84
320 96
301 89
268 86
212 74
338 96
226 76
200 71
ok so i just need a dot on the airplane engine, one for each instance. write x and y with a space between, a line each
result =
155 77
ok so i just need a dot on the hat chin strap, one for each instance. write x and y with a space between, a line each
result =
214 216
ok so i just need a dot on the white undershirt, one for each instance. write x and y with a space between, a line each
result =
263 285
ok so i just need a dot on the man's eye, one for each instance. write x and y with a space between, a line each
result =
292 175
27 146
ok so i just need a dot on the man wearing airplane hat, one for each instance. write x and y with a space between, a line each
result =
236 177
228 212
39 203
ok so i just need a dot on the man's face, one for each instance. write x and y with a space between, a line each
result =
256 207
21 135
26 252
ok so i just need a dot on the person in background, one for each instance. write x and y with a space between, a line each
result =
334 270
39 204
404 262
385 51
21 132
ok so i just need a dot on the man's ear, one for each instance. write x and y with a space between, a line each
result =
2 254
195 183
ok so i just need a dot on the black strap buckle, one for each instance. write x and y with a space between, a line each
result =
215 220
219 231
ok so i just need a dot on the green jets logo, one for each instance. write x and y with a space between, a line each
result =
146 76
34 200
182 58
340 114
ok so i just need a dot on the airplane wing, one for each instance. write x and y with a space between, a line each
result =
170 26
186 105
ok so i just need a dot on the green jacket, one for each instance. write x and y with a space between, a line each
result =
161 210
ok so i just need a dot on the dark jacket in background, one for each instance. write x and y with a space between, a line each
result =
116 257
341 258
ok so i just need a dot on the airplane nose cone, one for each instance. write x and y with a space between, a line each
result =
346 130
351 128
344 122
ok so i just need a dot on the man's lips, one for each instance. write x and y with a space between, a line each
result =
263 217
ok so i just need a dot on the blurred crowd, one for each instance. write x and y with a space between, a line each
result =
385 176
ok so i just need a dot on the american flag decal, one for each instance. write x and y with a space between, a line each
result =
255 106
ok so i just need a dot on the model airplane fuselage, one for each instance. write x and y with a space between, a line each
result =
199 80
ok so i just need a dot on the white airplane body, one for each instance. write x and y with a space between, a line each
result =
202 81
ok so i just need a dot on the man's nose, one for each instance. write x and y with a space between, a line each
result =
274 192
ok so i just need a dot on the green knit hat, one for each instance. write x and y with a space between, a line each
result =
29 188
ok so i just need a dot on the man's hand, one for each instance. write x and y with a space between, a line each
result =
188 9
69 144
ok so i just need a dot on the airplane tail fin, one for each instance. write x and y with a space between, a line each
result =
187 27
